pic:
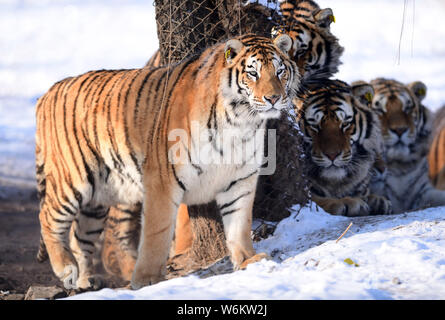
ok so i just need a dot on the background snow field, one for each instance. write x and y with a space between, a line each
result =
398 257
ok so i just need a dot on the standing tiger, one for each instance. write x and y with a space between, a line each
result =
406 128
110 137
316 52
436 155
342 141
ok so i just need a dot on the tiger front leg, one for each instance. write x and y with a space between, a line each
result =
347 206
235 205
157 227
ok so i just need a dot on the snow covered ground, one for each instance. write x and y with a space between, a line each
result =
399 256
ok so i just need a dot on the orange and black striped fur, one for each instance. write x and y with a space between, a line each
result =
406 129
436 155
157 137
314 48
342 142
316 52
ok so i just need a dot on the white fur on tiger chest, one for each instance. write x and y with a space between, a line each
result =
219 159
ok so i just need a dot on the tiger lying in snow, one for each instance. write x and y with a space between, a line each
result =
406 128
342 141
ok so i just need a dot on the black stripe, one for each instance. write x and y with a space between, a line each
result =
228 212
233 201
124 117
95 231
83 241
238 180
177 179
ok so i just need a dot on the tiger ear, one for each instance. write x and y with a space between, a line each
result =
284 43
363 91
231 49
418 88
324 18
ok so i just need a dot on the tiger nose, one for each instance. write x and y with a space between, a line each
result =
399 131
332 155
272 99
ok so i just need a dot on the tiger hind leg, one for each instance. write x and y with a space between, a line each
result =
121 239
85 233
55 221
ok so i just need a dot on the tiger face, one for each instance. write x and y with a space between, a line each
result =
314 48
263 78
335 127
403 118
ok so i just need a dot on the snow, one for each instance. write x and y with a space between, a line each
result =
399 257
42 42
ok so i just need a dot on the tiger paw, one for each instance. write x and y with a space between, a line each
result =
379 205
350 207
256 258
91 283
140 281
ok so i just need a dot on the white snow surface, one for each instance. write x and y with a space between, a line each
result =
398 257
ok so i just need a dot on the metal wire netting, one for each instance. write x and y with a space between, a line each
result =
186 27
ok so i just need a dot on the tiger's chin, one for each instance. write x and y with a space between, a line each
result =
398 153
271 113
333 173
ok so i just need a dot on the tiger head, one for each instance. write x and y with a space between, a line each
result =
314 48
340 132
259 79
405 122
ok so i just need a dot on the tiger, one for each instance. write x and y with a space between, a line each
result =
406 128
436 154
157 137
342 142
315 49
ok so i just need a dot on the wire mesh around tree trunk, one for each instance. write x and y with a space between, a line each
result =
186 27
